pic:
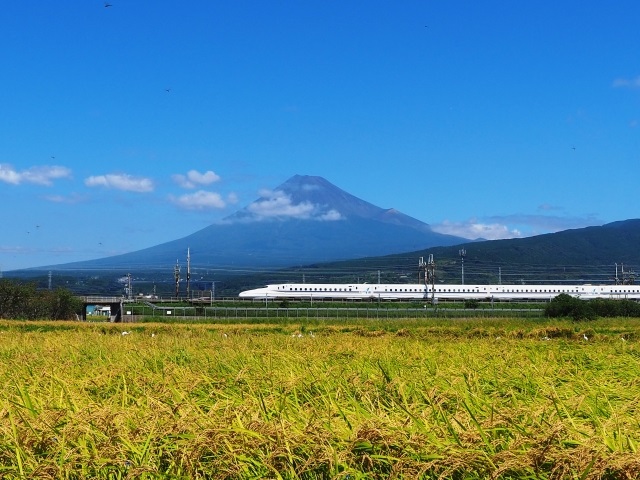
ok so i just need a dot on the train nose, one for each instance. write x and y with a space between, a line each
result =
256 293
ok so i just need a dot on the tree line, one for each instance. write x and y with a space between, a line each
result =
23 301
570 307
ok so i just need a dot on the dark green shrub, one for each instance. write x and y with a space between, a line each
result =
565 305
471 303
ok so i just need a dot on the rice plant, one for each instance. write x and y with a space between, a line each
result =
445 399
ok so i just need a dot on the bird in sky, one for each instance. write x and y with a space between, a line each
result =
167 90
107 5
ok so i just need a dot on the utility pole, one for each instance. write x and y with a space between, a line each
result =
176 276
188 273
429 268
49 279
431 277
462 253
128 286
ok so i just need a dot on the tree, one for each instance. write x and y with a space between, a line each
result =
565 305
22 301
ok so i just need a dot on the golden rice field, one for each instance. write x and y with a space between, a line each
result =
402 399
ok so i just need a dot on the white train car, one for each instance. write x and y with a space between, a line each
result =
310 291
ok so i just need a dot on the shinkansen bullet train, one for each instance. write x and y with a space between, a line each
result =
311 291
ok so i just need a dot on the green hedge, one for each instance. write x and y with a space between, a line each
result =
570 307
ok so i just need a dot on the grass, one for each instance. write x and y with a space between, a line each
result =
503 398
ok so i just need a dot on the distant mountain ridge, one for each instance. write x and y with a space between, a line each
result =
305 220
584 255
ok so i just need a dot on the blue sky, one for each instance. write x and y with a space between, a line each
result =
126 126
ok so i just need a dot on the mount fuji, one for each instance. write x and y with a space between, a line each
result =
305 220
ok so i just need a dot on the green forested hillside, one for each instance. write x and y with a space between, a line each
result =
582 255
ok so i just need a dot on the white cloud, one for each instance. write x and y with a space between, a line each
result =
121 182
331 216
274 204
41 175
9 175
547 207
278 204
473 229
514 226
232 198
627 82
193 178
200 200
538 224
70 199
